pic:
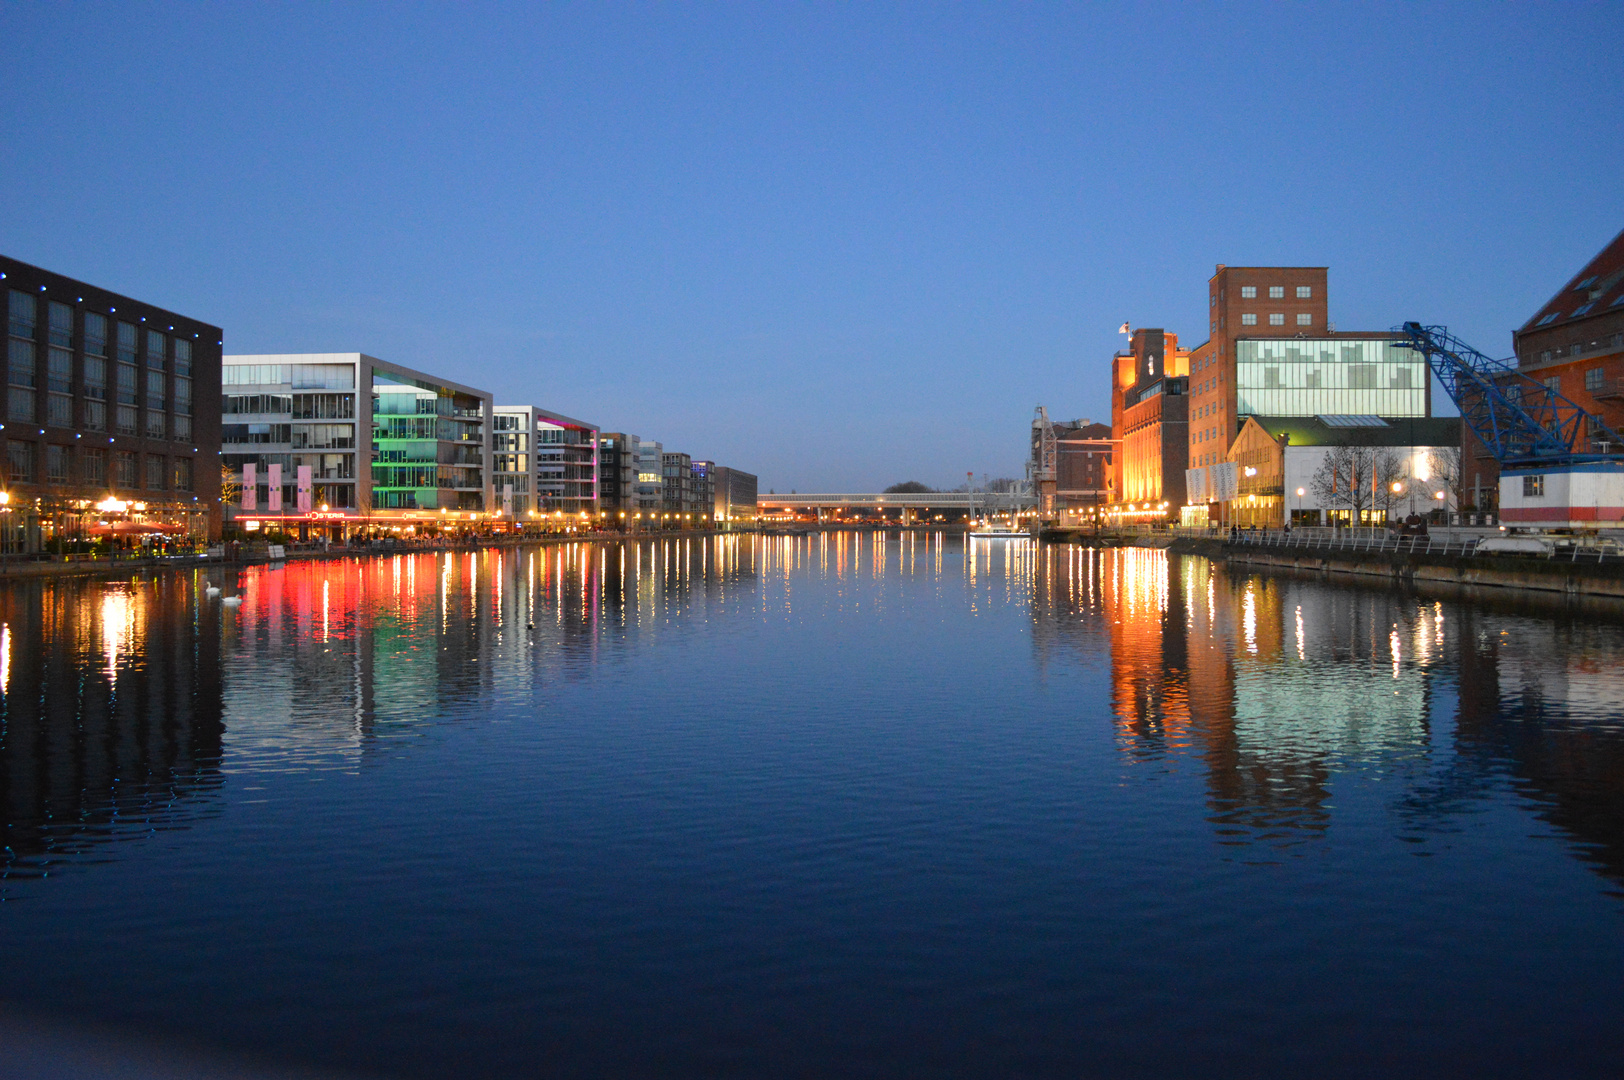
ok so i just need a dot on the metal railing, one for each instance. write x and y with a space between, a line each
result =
1361 539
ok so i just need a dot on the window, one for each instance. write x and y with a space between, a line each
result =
322 406
1277 319
254 374
1617 300
255 404
183 357
126 343
183 396
257 434
56 464
95 416
23 313
1248 320
96 378
1305 319
157 349
1581 309
1585 284
1593 380
155 390
126 384
1533 487
21 405
59 410
93 466
126 421
183 474
20 462
1277 292
155 424
61 325
1553 383
1551 318
20 362
1305 292
124 464
95 334
183 428
155 472
507 422
1248 292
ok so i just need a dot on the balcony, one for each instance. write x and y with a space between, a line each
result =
1610 390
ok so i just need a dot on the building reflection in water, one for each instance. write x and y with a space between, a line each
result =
110 714
1279 683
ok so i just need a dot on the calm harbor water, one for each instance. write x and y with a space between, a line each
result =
844 804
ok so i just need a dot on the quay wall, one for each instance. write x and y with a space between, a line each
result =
1405 568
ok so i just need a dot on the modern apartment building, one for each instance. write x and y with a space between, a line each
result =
617 473
733 496
1575 343
704 479
111 424
331 441
544 462
650 479
677 478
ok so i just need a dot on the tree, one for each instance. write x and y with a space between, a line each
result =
909 487
230 486
1359 479
1443 462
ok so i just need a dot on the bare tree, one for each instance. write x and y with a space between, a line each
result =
1444 464
1358 479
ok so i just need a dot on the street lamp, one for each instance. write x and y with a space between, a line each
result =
1299 502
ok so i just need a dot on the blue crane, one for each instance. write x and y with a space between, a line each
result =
1522 421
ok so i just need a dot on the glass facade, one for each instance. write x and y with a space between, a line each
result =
1305 377
428 446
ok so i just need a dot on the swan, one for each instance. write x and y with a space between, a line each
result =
232 601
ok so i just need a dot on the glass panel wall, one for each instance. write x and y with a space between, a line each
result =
1304 377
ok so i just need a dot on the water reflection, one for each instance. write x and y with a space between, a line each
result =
1282 685
110 715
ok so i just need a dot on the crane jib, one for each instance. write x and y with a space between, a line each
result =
1519 419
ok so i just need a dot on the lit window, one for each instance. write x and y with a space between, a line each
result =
1305 292
1533 487
1305 320
1277 292
1551 318
1277 320
1248 320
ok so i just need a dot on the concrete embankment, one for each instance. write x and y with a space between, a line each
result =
1555 575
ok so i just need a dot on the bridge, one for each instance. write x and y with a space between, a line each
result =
907 506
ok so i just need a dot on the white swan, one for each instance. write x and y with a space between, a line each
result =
232 601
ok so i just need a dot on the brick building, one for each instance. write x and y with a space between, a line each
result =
1149 427
1575 343
112 416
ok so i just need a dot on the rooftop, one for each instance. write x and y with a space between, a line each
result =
1598 289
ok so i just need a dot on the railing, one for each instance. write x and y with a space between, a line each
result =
1361 539
1380 541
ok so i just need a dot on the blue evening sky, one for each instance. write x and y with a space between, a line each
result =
836 245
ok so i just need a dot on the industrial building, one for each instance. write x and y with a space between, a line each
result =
1573 343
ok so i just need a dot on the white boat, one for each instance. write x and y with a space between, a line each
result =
999 534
